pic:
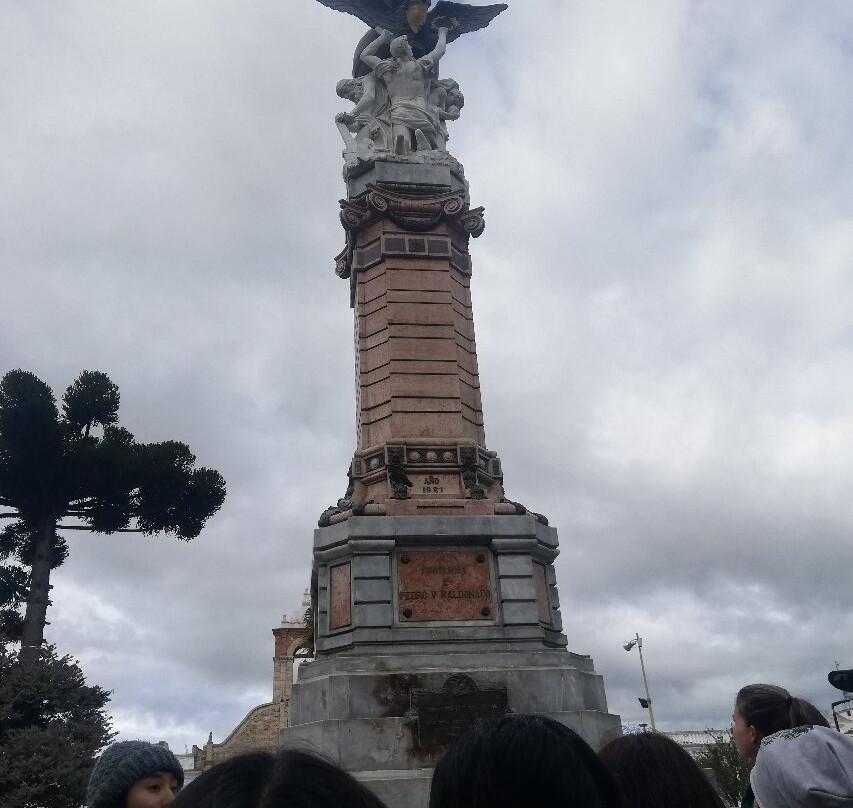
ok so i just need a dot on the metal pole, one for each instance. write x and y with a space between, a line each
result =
646 683
835 704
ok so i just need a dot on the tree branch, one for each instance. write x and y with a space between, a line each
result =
92 530
10 516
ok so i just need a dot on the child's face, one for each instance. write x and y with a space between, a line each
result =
157 791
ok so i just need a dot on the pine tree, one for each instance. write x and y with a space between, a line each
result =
80 465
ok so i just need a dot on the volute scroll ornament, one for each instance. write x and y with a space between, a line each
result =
415 213
378 202
353 216
455 206
473 222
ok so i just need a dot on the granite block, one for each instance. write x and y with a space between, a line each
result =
520 612
513 589
371 590
509 565
371 566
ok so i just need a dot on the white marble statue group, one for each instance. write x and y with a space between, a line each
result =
401 106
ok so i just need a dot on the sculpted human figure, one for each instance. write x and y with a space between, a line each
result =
415 123
447 99
369 120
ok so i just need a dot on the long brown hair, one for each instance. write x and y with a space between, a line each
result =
770 708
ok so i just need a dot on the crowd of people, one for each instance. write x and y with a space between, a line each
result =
516 761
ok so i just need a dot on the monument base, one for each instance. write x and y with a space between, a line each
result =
424 626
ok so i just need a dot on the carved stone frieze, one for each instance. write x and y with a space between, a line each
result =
430 456
413 212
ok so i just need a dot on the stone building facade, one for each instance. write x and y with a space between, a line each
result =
259 730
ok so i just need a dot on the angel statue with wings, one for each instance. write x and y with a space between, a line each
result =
401 106
416 20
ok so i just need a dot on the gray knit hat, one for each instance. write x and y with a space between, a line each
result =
123 764
806 767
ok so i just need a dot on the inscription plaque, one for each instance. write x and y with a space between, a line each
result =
444 585
437 485
340 596
445 715
543 602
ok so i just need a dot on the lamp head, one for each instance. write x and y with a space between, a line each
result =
629 645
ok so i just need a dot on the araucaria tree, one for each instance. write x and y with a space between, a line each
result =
78 470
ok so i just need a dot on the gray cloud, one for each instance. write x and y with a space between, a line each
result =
662 300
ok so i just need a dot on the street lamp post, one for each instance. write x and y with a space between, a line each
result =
638 641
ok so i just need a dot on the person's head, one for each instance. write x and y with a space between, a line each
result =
134 774
807 766
522 760
760 710
350 89
400 48
454 94
416 12
303 780
290 779
652 769
235 783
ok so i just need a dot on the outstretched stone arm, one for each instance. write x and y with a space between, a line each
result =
440 48
365 104
368 55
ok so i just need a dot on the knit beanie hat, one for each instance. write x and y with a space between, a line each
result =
123 764
806 767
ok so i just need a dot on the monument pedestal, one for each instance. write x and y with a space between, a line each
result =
424 625
434 596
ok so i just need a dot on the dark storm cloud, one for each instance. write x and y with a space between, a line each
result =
662 300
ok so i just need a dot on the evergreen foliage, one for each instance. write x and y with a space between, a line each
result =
79 464
731 769
52 724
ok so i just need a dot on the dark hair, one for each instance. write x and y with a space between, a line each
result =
304 780
770 709
522 760
652 769
235 783
291 779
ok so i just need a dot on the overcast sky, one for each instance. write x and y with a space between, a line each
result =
663 300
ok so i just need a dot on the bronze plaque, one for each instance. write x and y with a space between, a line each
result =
444 585
445 715
340 596
543 602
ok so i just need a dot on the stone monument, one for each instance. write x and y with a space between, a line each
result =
434 596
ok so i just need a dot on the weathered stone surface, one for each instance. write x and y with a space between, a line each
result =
371 591
359 709
404 173
357 702
400 789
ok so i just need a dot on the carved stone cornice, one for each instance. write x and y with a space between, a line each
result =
412 212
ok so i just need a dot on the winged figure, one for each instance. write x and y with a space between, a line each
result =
417 20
